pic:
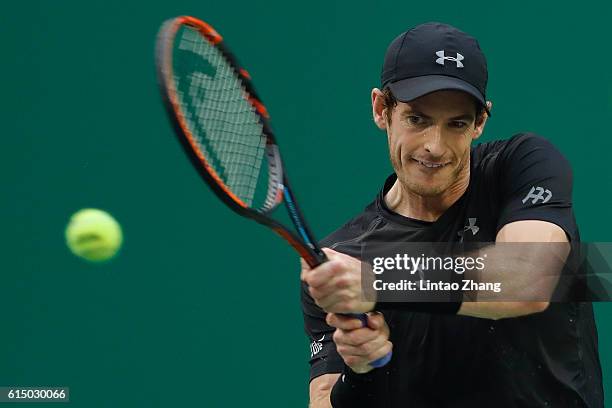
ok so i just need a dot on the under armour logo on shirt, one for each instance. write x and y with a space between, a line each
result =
536 194
443 57
471 226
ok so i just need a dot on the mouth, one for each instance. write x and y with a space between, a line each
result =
430 165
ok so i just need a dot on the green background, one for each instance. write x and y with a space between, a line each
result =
201 307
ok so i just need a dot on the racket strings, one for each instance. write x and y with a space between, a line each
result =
224 125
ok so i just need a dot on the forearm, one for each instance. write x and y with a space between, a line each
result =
320 390
527 274
524 276
519 272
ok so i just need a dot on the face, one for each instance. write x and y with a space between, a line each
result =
429 140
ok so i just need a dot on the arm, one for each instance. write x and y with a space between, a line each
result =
531 271
357 346
529 162
528 231
325 362
320 390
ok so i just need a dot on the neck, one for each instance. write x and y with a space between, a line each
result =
407 203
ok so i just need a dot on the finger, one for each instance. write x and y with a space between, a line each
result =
367 352
324 299
323 273
359 337
343 322
376 320
334 286
321 292
304 268
341 301
331 253
382 351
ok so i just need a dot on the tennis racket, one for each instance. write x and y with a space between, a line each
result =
224 128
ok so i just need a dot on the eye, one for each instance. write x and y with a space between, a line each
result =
458 124
415 119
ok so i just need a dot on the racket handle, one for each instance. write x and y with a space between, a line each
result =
314 257
380 362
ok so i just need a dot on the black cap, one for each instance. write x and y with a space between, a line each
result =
433 57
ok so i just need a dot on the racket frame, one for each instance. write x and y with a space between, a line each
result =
304 243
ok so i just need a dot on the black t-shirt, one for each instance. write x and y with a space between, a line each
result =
548 359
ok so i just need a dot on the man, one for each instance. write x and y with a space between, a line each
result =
534 353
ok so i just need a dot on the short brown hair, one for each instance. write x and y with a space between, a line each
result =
390 102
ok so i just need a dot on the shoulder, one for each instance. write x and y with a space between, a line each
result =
526 143
353 228
522 150
519 143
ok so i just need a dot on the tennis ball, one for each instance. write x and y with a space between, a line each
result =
93 235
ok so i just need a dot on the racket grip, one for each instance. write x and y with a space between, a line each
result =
380 362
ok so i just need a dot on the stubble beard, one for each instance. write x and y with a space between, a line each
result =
428 190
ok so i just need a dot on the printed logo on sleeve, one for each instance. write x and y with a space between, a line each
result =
538 194
316 346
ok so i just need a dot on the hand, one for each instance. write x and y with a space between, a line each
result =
335 285
359 346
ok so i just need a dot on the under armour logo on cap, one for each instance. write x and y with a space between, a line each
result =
413 66
443 57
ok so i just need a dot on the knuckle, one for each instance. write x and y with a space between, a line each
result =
343 282
335 265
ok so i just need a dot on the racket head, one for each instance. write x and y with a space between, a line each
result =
218 117
224 127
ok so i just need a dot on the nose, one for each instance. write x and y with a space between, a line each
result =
433 142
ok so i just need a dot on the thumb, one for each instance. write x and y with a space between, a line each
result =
330 252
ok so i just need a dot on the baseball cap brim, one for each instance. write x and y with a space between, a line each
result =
409 89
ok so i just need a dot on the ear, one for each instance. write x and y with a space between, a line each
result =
378 109
480 127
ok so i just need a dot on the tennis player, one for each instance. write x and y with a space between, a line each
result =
432 105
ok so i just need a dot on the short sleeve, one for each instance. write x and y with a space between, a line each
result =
536 184
324 359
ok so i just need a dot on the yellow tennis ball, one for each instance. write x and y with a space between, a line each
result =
93 235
